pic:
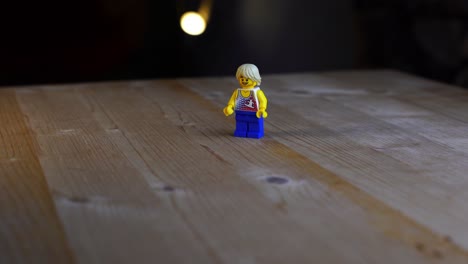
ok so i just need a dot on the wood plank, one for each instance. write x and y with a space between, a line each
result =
112 211
444 122
407 116
346 145
30 231
438 128
451 106
389 82
148 171
418 191
307 180
228 214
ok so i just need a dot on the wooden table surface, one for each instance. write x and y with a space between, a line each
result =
355 167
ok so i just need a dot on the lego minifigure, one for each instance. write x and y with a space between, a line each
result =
249 103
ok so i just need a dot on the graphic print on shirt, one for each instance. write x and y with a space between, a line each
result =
249 103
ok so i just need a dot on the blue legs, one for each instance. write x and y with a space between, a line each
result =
248 125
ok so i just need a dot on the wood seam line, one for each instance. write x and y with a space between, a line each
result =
378 209
30 137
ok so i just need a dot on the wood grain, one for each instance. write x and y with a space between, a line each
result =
356 167
348 143
30 231
110 212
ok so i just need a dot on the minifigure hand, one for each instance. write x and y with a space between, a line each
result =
228 110
261 113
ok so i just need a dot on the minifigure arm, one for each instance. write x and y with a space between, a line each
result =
262 101
229 109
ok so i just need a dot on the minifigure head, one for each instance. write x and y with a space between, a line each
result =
248 75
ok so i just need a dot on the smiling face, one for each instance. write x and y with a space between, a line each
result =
248 76
246 82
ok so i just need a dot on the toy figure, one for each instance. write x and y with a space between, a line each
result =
249 103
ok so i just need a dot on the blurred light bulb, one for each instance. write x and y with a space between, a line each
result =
192 23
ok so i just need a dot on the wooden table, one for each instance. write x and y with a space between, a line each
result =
355 167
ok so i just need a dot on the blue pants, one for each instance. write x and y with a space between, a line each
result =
248 125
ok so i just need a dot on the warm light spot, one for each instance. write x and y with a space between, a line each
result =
192 23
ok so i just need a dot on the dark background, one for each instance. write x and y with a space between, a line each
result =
54 41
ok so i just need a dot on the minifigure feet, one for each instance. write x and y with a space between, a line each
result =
254 135
240 133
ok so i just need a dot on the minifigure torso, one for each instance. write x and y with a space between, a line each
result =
247 101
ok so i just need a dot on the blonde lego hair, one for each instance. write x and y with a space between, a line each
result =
250 71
